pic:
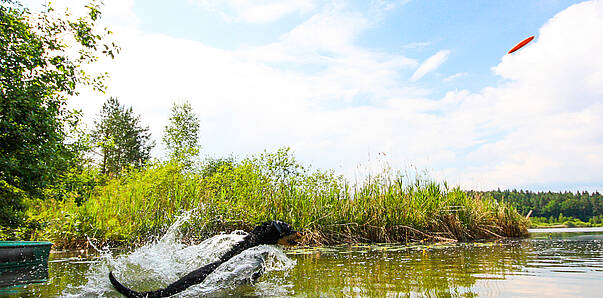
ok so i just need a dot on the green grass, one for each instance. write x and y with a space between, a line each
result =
226 195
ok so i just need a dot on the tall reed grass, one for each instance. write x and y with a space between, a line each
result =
226 194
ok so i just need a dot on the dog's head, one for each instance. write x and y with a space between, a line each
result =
276 232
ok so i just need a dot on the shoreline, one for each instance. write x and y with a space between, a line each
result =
566 230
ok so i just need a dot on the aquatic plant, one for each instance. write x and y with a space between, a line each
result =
388 207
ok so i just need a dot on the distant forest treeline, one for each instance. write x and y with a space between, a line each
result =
582 205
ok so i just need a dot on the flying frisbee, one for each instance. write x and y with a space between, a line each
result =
521 44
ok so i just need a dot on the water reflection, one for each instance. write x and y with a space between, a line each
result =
392 270
13 279
63 268
553 265
547 264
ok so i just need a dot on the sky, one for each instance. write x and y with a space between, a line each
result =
355 86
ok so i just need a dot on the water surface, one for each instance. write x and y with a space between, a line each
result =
550 263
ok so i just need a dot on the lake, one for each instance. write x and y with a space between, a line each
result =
550 263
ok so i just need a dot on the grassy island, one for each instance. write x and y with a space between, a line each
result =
225 194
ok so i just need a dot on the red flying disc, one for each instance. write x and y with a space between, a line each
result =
521 44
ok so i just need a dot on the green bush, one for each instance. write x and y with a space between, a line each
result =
12 207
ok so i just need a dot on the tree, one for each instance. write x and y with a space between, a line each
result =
181 135
37 75
120 137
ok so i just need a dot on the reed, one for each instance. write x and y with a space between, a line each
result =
139 205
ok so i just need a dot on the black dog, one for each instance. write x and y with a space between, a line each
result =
270 232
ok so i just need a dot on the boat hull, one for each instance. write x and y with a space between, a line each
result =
23 253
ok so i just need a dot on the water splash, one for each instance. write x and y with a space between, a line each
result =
161 262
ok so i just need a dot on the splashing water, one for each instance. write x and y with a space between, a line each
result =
159 263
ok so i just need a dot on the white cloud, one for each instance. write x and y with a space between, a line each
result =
329 30
335 102
262 11
114 13
244 95
431 64
266 11
455 76
549 114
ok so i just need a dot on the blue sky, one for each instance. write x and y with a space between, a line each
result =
477 33
356 86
